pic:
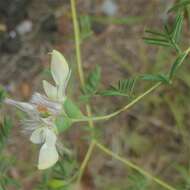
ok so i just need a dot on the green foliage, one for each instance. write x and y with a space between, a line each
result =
184 173
85 27
168 37
177 63
177 28
43 185
5 163
92 82
95 133
56 183
61 177
157 39
63 123
123 88
5 180
65 169
156 78
137 182
63 174
72 110
180 4
5 129
2 94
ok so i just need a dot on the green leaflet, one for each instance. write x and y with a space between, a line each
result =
179 4
85 27
177 28
123 88
72 110
157 41
2 94
112 92
91 84
63 123
158 78
177 63
5 131
56 183
168 37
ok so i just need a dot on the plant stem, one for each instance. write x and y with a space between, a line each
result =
82 81
134 166
138 98
90 119
177 48
106 117
77 42
85 161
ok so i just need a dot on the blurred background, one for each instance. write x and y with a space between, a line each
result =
154 133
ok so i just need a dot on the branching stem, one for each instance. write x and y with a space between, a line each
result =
109 116
90 119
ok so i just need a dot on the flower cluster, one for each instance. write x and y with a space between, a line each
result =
42 111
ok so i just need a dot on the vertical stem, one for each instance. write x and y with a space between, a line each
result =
77 43
85 161
82 81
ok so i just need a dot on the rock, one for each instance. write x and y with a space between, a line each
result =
49 24
109 7
13 11
24 27
10 42
4 6
17 11
98 27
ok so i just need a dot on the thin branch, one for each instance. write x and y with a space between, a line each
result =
126 107
134 166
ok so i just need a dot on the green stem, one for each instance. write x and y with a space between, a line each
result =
85 161
177 48
77 42
134 166
82 81
106 117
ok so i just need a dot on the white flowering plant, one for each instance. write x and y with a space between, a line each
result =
42 111
49 114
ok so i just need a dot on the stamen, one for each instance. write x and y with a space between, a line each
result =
42 109
44 112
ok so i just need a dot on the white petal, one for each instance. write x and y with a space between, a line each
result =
26 107
50 90
59 68
38 99
53 106
48 156
50 137
66 81
37 136
62 89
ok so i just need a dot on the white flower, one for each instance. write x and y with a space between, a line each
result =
42 111
61 73
48 155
